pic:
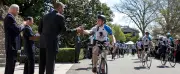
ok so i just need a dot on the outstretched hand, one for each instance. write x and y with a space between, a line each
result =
80 29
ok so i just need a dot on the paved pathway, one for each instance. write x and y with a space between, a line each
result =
59 69
126 65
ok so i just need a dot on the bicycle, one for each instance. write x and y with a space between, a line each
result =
117 53
146 57
169 56
102 58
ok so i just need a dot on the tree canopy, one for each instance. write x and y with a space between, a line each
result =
168 17
118 33
141 12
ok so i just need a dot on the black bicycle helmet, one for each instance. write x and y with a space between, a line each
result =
102 17
147 33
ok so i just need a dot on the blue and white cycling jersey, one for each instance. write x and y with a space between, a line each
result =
101 33
146 40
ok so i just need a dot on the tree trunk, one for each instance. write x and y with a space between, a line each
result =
143 32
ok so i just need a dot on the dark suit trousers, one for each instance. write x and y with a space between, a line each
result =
47 60
42 60
29 63
11 58
77 52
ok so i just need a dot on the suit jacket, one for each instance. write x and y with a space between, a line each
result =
51 26
12 32
28 44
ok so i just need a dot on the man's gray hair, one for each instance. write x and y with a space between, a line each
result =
14 6
59 4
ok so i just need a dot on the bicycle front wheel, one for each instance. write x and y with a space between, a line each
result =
172 60
103 69
142 60
148 60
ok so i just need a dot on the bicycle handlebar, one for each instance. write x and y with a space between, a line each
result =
100 42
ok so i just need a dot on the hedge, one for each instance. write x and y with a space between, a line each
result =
65 55
68 55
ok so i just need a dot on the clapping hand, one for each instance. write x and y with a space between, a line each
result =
22 25
24 22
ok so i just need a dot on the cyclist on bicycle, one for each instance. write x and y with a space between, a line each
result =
147 42
169 43
162 45
101 32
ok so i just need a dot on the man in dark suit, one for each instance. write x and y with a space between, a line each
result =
52 25
29 46
12 31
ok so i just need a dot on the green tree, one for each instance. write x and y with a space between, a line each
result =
78 12
168 17
135 38
129 37
32 8
119 35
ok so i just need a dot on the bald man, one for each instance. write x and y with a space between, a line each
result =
12 31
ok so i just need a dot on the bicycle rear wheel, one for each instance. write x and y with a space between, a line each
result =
143 63
148 60
163 59
103 64
172 60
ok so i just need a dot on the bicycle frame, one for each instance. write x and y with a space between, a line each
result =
144 57
102 57
102 54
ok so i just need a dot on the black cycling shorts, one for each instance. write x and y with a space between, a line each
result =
140 49
146 47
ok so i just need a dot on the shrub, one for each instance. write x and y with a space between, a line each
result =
68 55
65 55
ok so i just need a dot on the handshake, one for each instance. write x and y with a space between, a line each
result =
80 29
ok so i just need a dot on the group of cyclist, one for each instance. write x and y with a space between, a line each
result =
101 31
160 47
